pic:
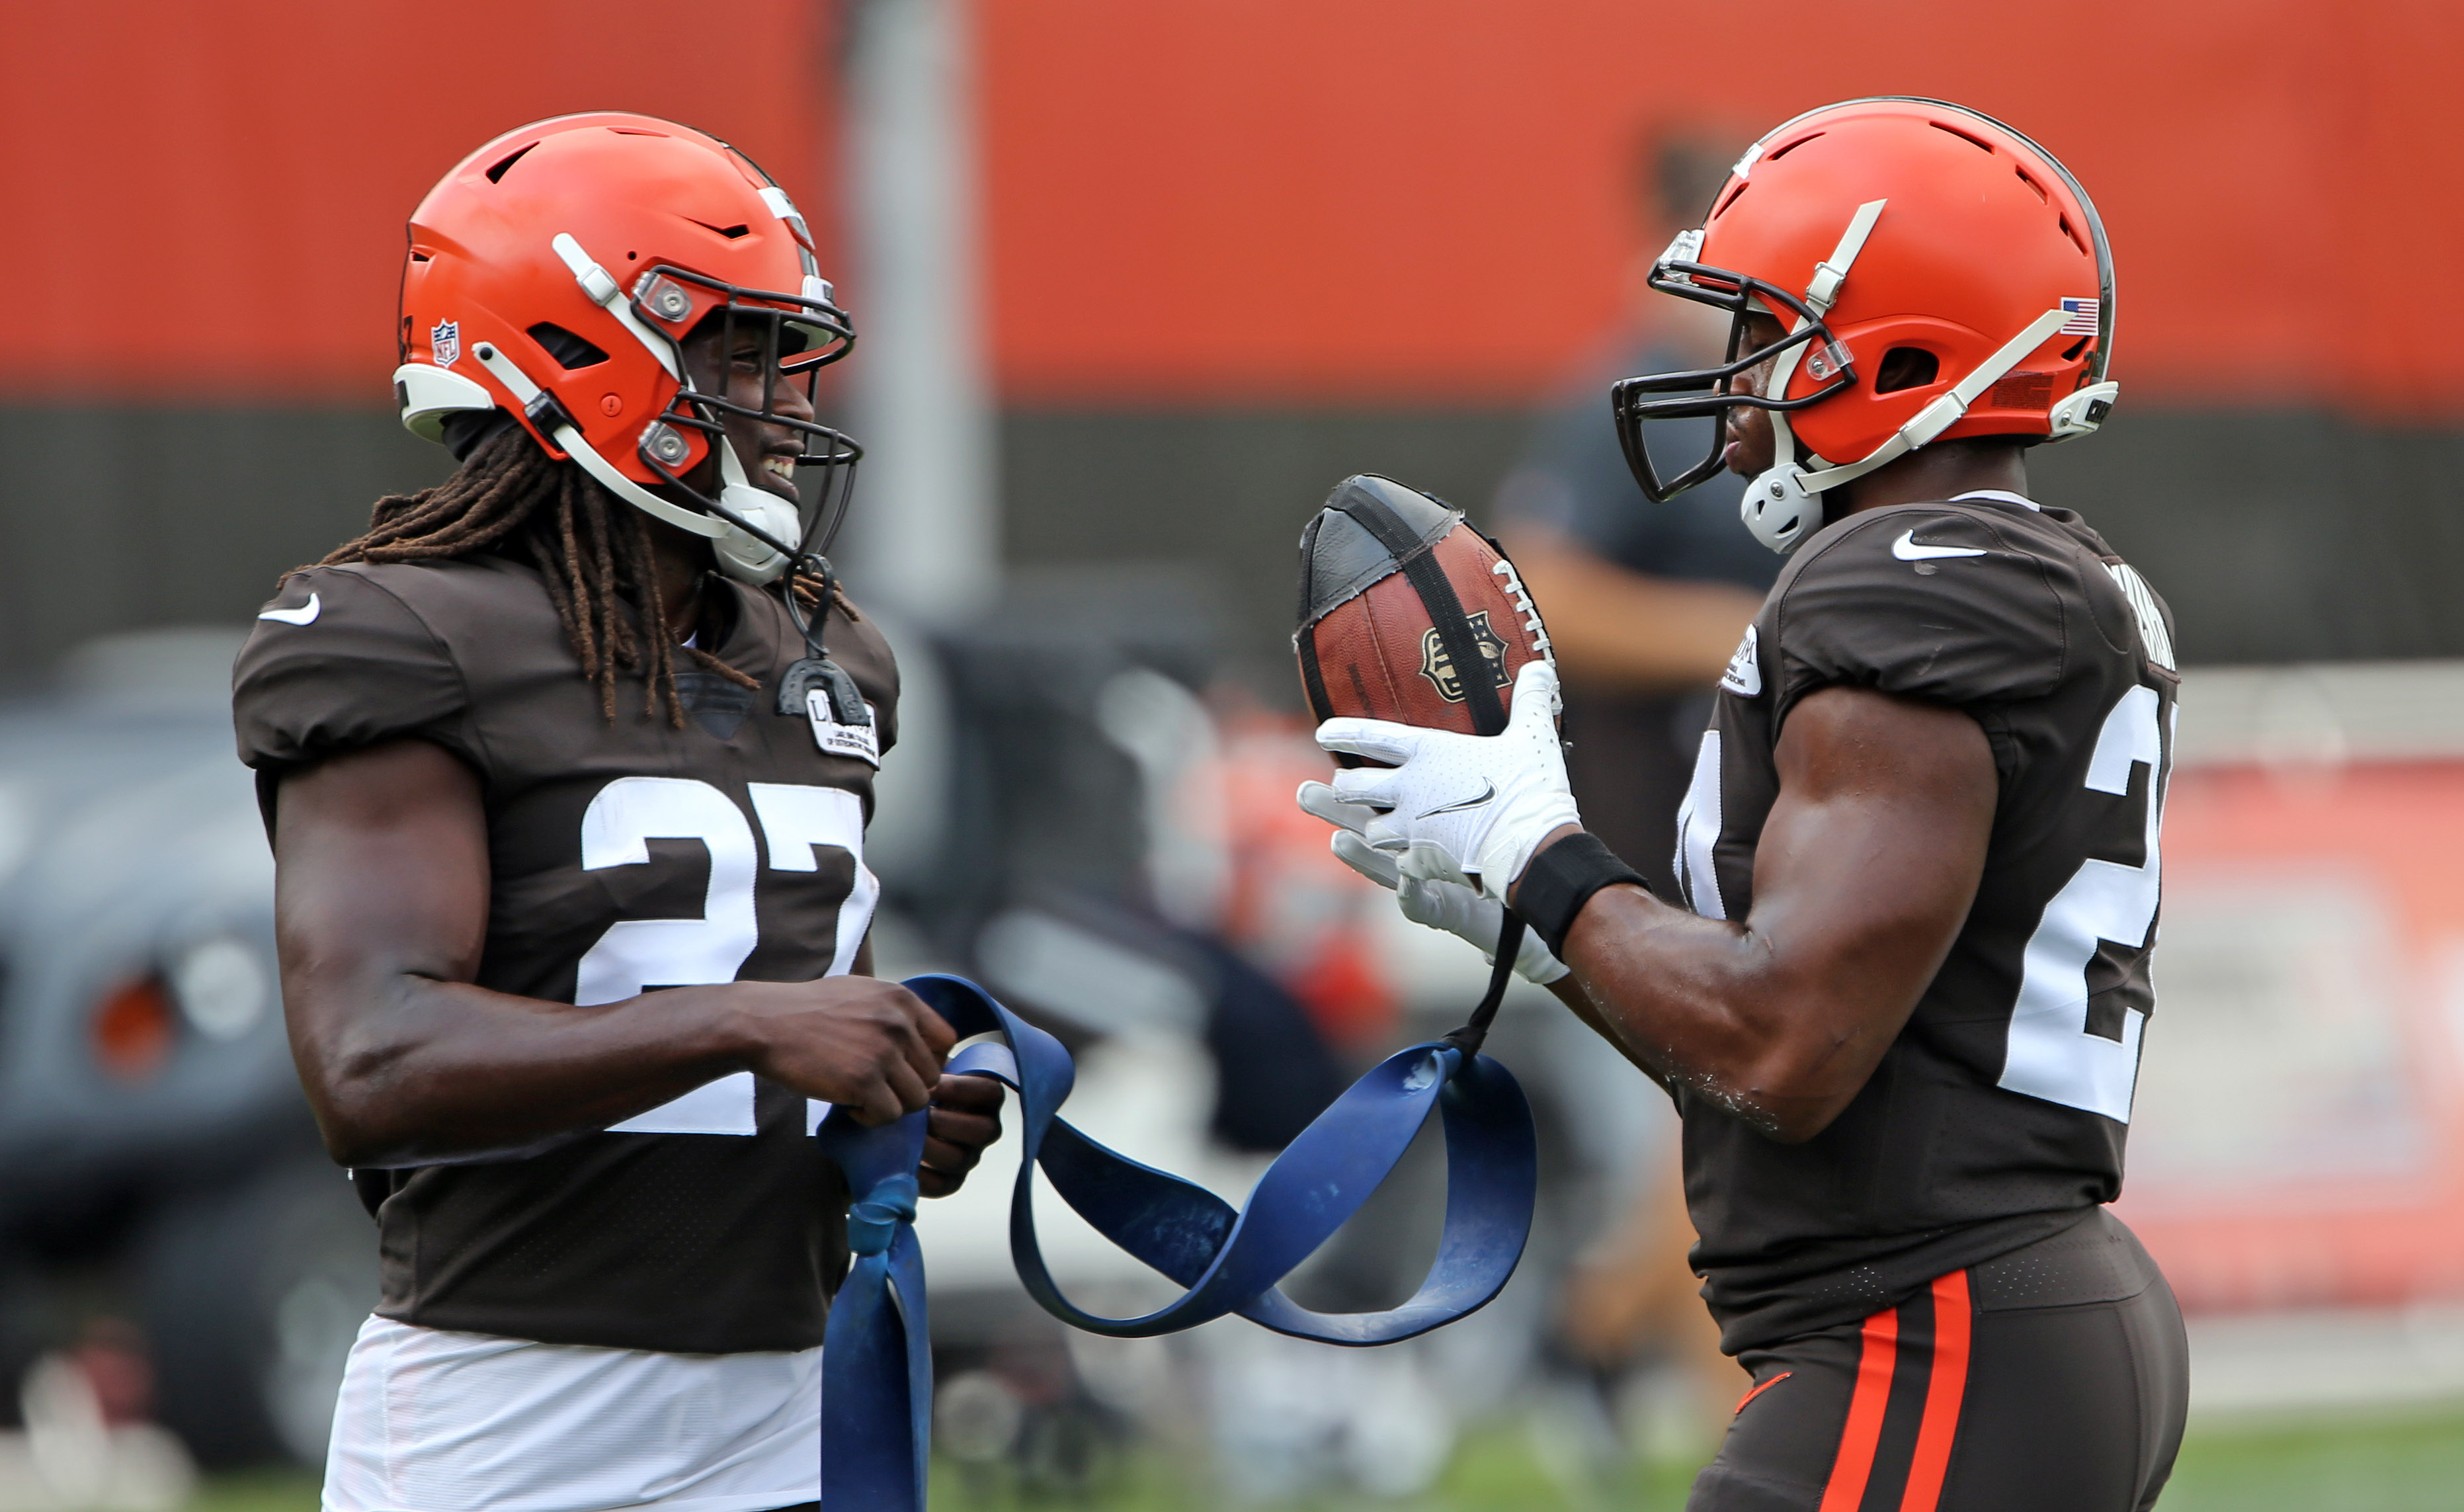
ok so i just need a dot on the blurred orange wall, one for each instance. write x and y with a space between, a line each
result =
205 202
1426 198
1196 201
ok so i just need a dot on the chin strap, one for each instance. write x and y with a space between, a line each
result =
600 286
1774 510
758 548
1789 490
747 533
545 412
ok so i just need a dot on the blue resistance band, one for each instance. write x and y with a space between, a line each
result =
877 1365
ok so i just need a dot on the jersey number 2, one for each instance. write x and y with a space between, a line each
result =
637 954
2051 1052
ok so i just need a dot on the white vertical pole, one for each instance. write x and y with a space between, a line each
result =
925 537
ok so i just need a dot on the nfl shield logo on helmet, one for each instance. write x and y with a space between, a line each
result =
445 340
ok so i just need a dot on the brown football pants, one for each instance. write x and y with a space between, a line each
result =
2023 1385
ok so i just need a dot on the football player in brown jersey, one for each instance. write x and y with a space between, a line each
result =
1900 1002
566 763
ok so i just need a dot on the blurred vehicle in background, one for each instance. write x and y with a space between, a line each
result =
157 1161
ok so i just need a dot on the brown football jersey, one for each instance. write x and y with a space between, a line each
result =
625 855
1997 1116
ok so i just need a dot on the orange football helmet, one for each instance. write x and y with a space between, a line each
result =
1866 228
554 274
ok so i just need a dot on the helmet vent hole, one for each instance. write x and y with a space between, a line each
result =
419 257
2032 184
1733 195
496 174
570 351
1777 153
2071 353
731 233
2077 240
1968 137
1906 368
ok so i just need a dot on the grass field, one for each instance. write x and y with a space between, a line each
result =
2408 1463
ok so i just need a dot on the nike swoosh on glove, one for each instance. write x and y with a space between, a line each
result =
1477 806
1454 906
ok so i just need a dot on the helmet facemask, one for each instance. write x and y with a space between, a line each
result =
1713 391
1776 507
792 338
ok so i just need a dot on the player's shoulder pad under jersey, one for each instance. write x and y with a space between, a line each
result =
340 660
1955 603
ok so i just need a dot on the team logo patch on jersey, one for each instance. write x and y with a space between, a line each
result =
2079 318
856 741
1440 668
444 342
1745 674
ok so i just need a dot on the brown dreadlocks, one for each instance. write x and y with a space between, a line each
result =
593 553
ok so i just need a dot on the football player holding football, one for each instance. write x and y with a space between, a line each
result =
1899 1009
566 763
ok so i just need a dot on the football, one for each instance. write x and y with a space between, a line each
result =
1399 599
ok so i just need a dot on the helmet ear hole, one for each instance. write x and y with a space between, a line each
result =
1906 368
570 349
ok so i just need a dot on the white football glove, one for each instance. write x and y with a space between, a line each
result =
1473 805
1448 903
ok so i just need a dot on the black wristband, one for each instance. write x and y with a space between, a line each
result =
1561 880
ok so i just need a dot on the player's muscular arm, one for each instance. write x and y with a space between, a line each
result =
1862 877
381 912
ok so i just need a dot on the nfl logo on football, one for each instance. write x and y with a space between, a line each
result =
445 340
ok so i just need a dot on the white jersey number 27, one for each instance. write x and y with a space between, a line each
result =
637 954
2051 1053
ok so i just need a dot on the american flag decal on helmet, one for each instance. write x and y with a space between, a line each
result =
2079 318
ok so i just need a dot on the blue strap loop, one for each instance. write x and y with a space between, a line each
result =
873 1219
877 1368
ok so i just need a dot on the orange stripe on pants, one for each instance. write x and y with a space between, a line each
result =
1857 1441
1944 1390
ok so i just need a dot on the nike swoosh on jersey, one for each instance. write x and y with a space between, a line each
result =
1488 791
1906 550
305 613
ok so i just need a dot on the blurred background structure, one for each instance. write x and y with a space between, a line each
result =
1138 284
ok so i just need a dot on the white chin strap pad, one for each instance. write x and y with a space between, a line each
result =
1778 510
741 556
